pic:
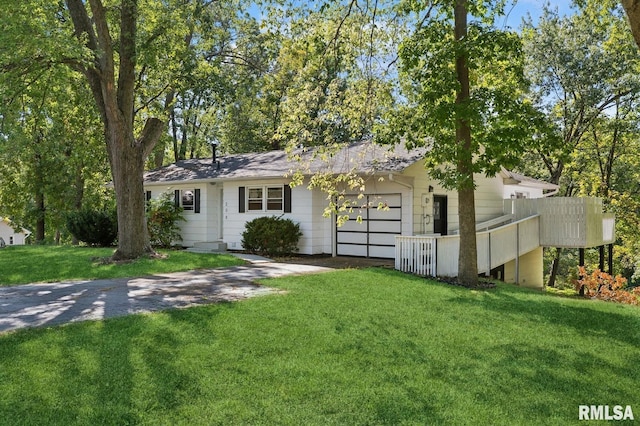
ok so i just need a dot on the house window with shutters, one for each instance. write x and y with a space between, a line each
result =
265 199
188 199
254 199
274 198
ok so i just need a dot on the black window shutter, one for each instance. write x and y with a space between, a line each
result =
241 199
176 199
287 199
148 196
196 201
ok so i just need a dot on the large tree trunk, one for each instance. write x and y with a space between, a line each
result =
114 93
555 265
41 210
127 169
468 254
41 213
632 8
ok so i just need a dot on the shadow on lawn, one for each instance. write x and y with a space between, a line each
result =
157 377
114 372
586 320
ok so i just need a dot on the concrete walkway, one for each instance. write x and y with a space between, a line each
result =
37 305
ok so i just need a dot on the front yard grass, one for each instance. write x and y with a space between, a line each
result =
349 347
30 264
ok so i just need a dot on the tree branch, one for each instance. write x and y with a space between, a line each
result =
84 29
126 72
632 8
155 98
153 129
336 35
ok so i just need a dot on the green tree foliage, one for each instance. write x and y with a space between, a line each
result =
498 112
331 82
604 7
580 66
51 157
218 101
330 79
133 56
163 216
584 70
464 98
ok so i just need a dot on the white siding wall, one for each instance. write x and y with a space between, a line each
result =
488 197
197 226
307 208
8 235
322 226
528 192
303 211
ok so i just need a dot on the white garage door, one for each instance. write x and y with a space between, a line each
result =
375 235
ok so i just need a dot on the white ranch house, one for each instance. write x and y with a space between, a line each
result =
417 228
10 236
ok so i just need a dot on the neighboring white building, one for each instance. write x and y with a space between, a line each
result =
517 186
220 196
10 236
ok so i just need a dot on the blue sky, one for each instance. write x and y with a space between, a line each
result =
532 7
516 10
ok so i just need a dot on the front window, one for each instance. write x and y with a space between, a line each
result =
254 200
274 198
265 198
188 200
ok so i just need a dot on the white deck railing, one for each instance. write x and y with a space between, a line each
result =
567 222
548 222
416 255
492 223
438 255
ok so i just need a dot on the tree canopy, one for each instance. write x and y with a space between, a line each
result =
463 97
100 90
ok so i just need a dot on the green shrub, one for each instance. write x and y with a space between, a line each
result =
162 220
271 235
93 227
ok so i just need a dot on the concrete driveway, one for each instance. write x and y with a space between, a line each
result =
37 305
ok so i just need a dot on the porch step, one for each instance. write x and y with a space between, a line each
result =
208 247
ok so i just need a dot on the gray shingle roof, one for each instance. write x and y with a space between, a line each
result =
520 179
362 157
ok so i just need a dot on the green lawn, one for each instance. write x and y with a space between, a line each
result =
347 347
29 264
